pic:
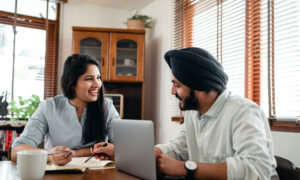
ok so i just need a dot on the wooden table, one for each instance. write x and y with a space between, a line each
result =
8 171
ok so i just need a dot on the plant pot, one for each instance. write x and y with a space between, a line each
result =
135 24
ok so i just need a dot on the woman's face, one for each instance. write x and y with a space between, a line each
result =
88 85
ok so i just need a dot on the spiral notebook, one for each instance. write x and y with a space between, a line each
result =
77 164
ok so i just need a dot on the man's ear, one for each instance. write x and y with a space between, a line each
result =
199 93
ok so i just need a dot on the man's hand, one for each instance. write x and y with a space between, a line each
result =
107 151
61 158
169 166
157 152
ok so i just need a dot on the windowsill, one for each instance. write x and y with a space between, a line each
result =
284 126
7 124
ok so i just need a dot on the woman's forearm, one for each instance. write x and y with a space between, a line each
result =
21 147
83 152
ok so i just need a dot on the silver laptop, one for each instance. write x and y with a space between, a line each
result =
134 147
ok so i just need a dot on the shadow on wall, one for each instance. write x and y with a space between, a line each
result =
152 78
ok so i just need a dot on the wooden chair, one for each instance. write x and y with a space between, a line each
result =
286 170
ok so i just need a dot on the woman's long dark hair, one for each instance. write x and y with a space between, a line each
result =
95 122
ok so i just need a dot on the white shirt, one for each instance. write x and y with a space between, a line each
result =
234 130
56 123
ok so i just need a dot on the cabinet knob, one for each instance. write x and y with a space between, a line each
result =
113 62
102 61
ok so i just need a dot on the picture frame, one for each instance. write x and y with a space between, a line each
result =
118 101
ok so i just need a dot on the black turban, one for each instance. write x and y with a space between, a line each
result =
197 69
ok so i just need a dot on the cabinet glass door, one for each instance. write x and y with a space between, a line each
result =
126 54
95 45
91 47
126 58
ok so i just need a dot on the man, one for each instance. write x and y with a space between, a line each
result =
223 136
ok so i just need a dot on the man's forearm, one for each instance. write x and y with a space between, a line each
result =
211 171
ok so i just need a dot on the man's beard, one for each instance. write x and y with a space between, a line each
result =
190 103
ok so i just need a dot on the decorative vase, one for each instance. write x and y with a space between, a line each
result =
135 24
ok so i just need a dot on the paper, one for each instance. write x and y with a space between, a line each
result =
78 164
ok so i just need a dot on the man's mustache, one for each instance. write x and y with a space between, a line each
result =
177 96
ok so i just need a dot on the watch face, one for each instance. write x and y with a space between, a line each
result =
191 165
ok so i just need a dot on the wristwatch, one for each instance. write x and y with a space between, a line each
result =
191 167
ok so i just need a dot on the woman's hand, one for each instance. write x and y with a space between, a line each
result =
61 155
104 151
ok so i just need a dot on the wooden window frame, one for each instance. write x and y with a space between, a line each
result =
51 56
253 51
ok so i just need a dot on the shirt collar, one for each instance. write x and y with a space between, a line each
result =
69 105
218 105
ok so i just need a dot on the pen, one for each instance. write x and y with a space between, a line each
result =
94 154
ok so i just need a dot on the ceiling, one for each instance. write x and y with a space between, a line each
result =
122 4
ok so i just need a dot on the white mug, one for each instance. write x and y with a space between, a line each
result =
128 62
31 164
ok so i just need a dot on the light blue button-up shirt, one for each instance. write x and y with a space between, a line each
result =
56 123
235 131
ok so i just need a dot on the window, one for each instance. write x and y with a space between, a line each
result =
257 42
28 48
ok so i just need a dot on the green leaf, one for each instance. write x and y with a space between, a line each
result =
25 107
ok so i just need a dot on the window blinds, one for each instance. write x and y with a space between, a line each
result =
220 29
287 59
257 41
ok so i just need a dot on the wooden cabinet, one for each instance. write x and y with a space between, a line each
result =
121 55
120 51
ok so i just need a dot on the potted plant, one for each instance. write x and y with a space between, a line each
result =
24 109
139 21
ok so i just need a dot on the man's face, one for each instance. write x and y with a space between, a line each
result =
186 96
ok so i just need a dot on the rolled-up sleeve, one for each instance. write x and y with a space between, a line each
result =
35 130
177 147
112 114
251 143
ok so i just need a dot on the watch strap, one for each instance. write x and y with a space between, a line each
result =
190 173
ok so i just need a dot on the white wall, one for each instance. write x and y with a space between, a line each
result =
287 145
157 74
81 13
158 41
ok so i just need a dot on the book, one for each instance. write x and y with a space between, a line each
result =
8 138
1 140
77 164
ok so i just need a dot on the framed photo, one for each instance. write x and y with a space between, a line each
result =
118 101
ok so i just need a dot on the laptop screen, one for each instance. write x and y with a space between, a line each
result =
134 147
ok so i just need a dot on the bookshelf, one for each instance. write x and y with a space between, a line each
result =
9 130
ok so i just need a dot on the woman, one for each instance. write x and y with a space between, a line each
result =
73 122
